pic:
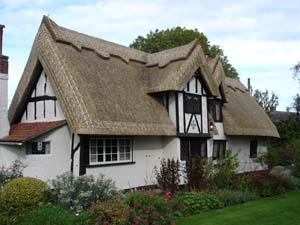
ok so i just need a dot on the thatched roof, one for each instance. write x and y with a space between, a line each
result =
105 88
242 115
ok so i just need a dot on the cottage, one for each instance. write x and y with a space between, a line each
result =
90 106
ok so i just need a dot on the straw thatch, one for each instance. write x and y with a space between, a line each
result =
242 115
105 88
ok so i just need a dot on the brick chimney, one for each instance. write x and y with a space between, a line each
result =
4 125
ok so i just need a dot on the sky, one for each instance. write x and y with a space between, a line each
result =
261 38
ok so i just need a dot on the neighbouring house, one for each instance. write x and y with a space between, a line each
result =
90 106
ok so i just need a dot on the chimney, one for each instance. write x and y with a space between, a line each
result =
273 109
4 125
249 86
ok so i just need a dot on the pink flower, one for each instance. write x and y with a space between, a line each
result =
105 222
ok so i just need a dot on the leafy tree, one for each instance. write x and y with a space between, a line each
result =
296 104
296 69
164 39
265 100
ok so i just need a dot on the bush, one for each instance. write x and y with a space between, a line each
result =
262 183
232 197
53 215
225 170
168 175
79 193
20 195
198 171
295 181
149 208
113 212
195 202
10 173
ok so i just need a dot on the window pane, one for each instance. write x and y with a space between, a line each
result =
114 157
93 158
100 158
114 149
108 158
93 142
215 150
93 150
100 142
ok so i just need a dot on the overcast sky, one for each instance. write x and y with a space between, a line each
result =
260 37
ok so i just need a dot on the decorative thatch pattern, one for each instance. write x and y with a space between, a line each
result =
242 115
104 88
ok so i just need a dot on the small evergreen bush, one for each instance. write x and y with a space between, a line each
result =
112 212
53 215
21 195
224 170
232 197
79 193
196 202
168 175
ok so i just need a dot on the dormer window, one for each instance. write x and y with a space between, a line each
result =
215 109
192 104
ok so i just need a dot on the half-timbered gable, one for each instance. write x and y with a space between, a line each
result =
42 105
192 108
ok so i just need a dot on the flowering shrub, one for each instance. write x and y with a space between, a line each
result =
196 202
9 173
168 175
147 208
262 183
112 212
79 193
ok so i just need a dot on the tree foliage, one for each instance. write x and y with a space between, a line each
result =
265 100
164 39
296 70
296 104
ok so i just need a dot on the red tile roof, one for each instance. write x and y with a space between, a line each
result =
21 132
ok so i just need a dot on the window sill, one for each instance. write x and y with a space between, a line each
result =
109 164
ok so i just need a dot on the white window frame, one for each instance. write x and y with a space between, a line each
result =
37 143
118 161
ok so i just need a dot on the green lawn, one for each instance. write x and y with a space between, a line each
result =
279 210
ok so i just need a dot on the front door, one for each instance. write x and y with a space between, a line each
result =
191 147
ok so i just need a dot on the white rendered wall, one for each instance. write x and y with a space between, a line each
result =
53 109
4 125
47 166
241 147
147 153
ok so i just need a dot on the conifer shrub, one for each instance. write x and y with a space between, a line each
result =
21 195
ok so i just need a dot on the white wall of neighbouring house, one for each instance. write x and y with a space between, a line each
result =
46 166
4 125
147 153
241 147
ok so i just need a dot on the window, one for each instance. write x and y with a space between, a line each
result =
253 149
110 150
192 147
215 109
192 103
219 149
38 148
